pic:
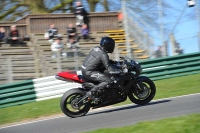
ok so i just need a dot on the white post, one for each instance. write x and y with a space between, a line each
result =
117 53
172 39
10 71
125 24
198 17
75 60
160 13
59 68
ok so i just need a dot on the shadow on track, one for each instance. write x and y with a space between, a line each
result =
129 107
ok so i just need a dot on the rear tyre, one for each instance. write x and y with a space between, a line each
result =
142 92
68 105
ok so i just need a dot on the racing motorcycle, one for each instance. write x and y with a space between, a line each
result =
139 89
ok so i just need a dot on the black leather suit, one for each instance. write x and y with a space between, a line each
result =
92 67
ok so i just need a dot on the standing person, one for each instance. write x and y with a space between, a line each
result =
14 36
74 46
85 32
2 34
178 49
80 13
58 46
158 52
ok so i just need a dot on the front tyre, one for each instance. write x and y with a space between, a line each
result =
142 92
68 103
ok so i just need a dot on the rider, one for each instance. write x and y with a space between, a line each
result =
92 65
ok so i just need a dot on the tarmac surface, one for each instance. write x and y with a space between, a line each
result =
112 117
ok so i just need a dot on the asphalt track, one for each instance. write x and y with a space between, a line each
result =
112 117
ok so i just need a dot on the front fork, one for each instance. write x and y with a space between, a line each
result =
139 86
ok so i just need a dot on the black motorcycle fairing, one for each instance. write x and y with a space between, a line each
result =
109 97
103 104
125 82
122 85
140 79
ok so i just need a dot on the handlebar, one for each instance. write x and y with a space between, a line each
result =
127 65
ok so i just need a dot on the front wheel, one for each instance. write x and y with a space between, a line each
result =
70 103
142 92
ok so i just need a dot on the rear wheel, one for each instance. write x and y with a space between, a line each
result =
142 92
70 105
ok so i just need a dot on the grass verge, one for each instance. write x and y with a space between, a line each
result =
184 124
165 88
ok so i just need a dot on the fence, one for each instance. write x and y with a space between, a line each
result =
39 23
33 90
39 63
48 87
17 67
169 67
136 28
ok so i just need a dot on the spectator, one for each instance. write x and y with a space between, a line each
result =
51 33
2 34
158 52
14 36
74 46
71 31
80 13
178 49
85 32
58 46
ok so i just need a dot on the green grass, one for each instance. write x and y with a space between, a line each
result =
165 88
184 124
30 110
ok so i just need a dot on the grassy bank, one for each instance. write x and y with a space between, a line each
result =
165 88
30 110
184 124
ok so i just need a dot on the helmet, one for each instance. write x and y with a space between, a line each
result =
108 44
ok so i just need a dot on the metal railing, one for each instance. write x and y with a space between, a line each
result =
49 87
134 31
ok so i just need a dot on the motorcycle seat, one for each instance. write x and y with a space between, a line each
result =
86 80
82 78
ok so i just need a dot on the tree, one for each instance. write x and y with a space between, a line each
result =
12 9
93 4
105 5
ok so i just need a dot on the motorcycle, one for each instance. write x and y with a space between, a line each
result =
139 89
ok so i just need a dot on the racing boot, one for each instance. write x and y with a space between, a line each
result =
92 93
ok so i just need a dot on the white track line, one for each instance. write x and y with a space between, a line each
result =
96 110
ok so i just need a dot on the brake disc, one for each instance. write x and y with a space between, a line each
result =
143 92
74 104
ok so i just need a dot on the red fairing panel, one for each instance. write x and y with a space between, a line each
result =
71 75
